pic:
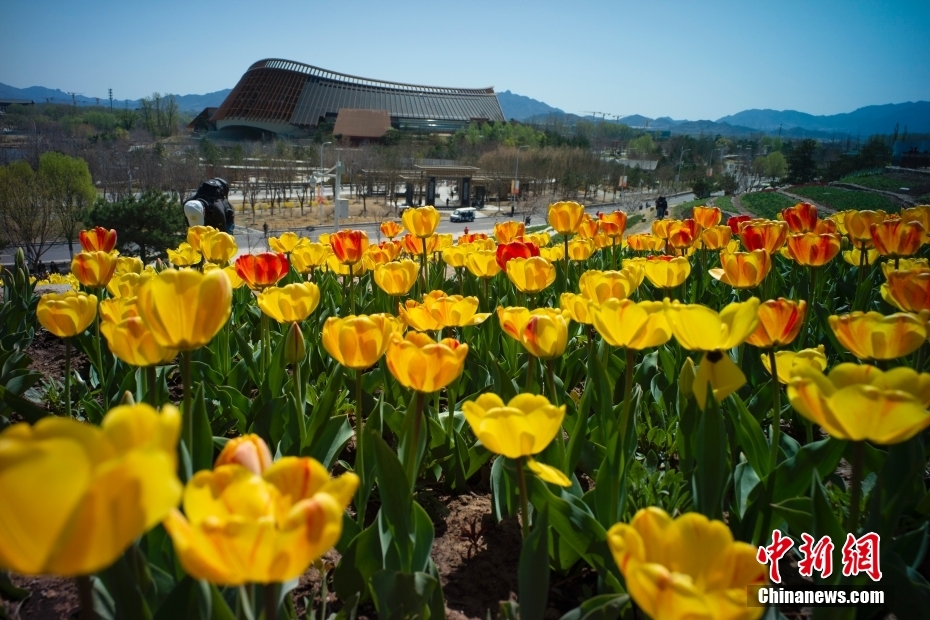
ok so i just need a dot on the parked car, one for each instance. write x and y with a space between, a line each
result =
466 214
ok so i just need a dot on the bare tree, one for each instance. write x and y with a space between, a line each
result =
25 213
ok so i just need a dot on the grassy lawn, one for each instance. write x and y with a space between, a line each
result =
724 203
765 204
876 181
842 199
683 210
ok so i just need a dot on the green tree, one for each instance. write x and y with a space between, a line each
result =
642 145
68 189
775 165
146 226
702 188
801 165
728 183
27 219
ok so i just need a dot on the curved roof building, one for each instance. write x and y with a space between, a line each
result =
285 97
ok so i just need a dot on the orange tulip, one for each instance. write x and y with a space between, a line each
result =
613 224
663 228
801 218
895 237
873 336
391 229
743 269
707 217
736 222
681 237
763 235
506 232
920 213
471 238
908 290
97 239
813 250
418 246
588 227
261 270
780 320
349 246
715 238
645 242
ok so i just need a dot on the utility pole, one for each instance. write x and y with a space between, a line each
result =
321 181
111 98
516 177
678 174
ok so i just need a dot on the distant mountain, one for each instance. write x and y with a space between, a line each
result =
915 115
521 108
40 94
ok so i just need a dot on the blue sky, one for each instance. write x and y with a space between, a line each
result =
682 59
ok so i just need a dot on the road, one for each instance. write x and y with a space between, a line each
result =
250 240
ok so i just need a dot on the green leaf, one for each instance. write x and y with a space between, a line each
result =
333 440
533 574
751 438
798 513
398 596
9 590
603 607
710 472
362 558
826 524
793 475
396 496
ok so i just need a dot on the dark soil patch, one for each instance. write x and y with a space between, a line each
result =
48 356
50 598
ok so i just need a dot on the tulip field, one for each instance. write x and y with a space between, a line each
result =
668 424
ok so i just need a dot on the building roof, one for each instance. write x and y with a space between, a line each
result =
280 94
362 123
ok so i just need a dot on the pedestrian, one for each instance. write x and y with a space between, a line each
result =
447 202
511 210
265 228
466 230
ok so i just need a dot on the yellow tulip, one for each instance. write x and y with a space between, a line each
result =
531 275
686 568
553 254
287 242
234 280
482 264
513 319
698 328
453 310
196 233
540 239
75 496
858 402
291 303
908 290
396 278
521 428
131 341
250 451
905 264
444 241
94 269
786 361
420 363
509 231
624 323
580 249
666 271
185 309
184 256
358 342
126 284
309 256
565 217
334 265
578 308
874 336
455 256
858 223
66 314
854 256
743 269
599 286
128 264
546 335
415 315
117 309
715 238
218 247
242 527
421 221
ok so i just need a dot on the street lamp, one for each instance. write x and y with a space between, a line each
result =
321 153
516 177
678 174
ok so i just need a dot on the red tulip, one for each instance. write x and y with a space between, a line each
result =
262 270
515 249
98 239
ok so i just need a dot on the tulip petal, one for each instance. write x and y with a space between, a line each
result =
547 473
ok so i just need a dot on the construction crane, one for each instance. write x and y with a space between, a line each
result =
74 97
595 114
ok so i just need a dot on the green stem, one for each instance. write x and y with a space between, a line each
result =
187 414
423 270
550 381
263 328
359 442
530 369
776 413
487 302
151 378
524 502
627 393
351 291
102 374
565 263
271 600
86 597
410 456
856 492
68 376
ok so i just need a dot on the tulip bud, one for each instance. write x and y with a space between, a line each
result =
127 399
294 348
686 379
249 451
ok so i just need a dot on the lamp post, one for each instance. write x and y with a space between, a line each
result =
321 181
678 174
516 177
